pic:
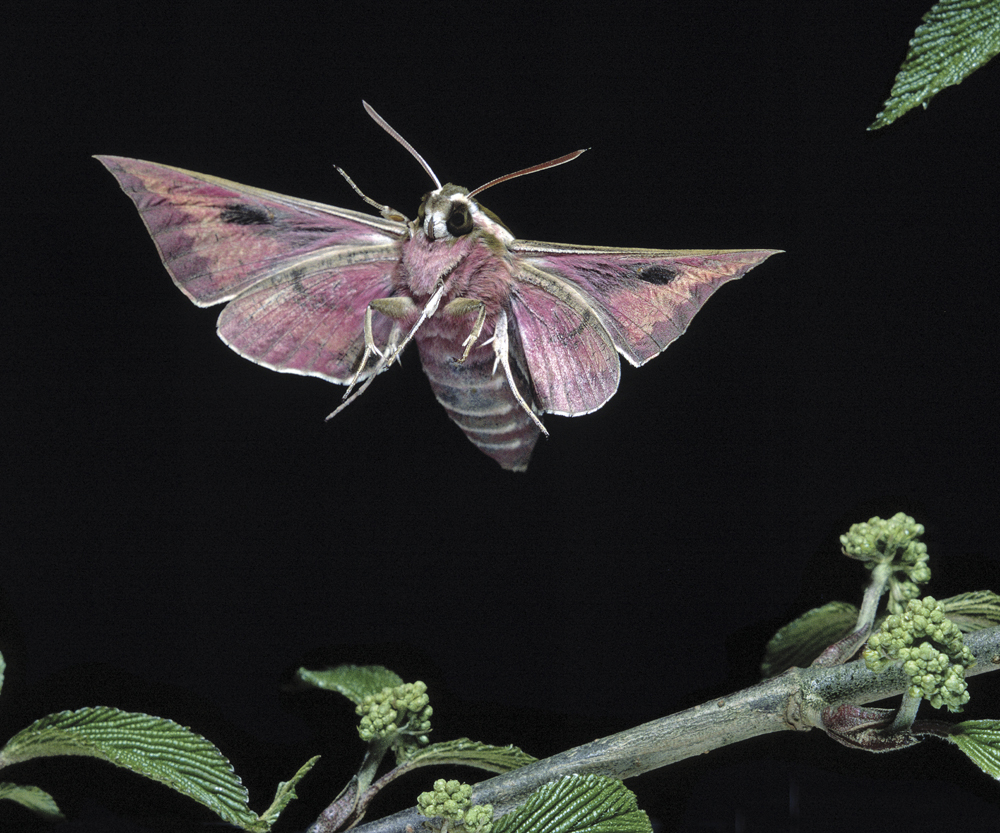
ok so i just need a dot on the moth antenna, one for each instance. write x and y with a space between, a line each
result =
541 166
384 210
385 126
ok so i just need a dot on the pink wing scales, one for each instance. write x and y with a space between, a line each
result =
218 238
572 361
310 323
645 299
299 274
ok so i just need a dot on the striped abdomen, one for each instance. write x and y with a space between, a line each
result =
479 400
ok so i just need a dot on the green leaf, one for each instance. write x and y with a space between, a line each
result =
955 39
33 798
802 640
155 747
577 804
973 611
284 794
355 682
980 740
469 753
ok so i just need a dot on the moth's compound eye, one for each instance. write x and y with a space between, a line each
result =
460 220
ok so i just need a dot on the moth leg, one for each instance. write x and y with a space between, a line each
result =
391 354
501 350
384 210
370 349
397 308
392 343
463 306
394 308
429 309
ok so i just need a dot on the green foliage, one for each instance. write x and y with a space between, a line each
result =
802 640
155 747
393 714
955 39
396 717
891 544
282 796
33 798
355 682
980 740
936 666
577 804
973 611
467 753
403 710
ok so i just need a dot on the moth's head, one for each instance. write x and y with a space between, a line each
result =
449 213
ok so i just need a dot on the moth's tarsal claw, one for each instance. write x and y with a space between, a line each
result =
463 306
471 340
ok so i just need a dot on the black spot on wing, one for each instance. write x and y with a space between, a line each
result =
656 274
239 214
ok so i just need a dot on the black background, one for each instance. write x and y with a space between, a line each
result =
182 529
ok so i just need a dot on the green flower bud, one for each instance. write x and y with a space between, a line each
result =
936 664
403 709
448 799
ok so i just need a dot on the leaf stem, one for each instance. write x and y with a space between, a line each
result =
907 712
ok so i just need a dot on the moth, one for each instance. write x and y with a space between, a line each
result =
507 329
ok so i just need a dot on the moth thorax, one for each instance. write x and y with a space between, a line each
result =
446 213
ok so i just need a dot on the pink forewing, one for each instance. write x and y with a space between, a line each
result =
644 299
218 238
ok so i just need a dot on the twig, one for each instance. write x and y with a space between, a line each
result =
792 701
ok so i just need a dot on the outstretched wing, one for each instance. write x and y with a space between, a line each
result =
576 306
299 275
